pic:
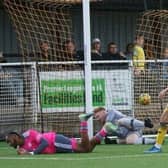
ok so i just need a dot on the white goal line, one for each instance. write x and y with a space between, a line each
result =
85 158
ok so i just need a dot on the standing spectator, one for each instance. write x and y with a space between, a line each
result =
139 55
96 50
113 54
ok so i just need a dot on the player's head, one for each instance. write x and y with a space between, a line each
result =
14 139
100 114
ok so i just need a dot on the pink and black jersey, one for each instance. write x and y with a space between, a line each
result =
32 140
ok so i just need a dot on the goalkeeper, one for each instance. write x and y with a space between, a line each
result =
127 129
33 142
163 127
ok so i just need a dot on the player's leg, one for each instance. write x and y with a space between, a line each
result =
161 133
159 140
98 137
87 145
84 145
107 128
135 137
63 144
163 127
67 145
134 124
132 139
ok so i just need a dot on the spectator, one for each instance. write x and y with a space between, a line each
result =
149 53
129 51
2 59
139 55
149 50
165 64
70 52
96 50
42 55
113 54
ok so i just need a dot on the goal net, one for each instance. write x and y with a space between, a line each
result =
154 27
44 33
53 88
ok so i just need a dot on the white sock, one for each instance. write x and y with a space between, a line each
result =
158 145
149 141
142 140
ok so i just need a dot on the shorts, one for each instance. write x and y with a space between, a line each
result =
64 144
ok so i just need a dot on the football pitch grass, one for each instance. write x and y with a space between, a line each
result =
104 156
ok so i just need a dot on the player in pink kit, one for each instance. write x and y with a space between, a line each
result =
33 142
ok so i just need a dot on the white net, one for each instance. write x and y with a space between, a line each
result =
44 33
62 95
49 92
154 27
17 93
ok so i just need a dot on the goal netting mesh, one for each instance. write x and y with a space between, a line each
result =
153 26
44 33
37 22
51 85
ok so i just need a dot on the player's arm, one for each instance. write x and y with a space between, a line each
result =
37 138
43 144
163 93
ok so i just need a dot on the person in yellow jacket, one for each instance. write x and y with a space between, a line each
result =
139 55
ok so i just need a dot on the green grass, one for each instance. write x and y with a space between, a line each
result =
104 156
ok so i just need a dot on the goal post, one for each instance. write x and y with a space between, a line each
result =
87 61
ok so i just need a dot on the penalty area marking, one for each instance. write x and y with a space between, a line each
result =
84 158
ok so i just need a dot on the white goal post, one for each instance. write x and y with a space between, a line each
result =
87 60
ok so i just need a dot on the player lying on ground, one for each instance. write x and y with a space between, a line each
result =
163 127
127 129
33 142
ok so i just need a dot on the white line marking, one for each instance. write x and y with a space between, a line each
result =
84 158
